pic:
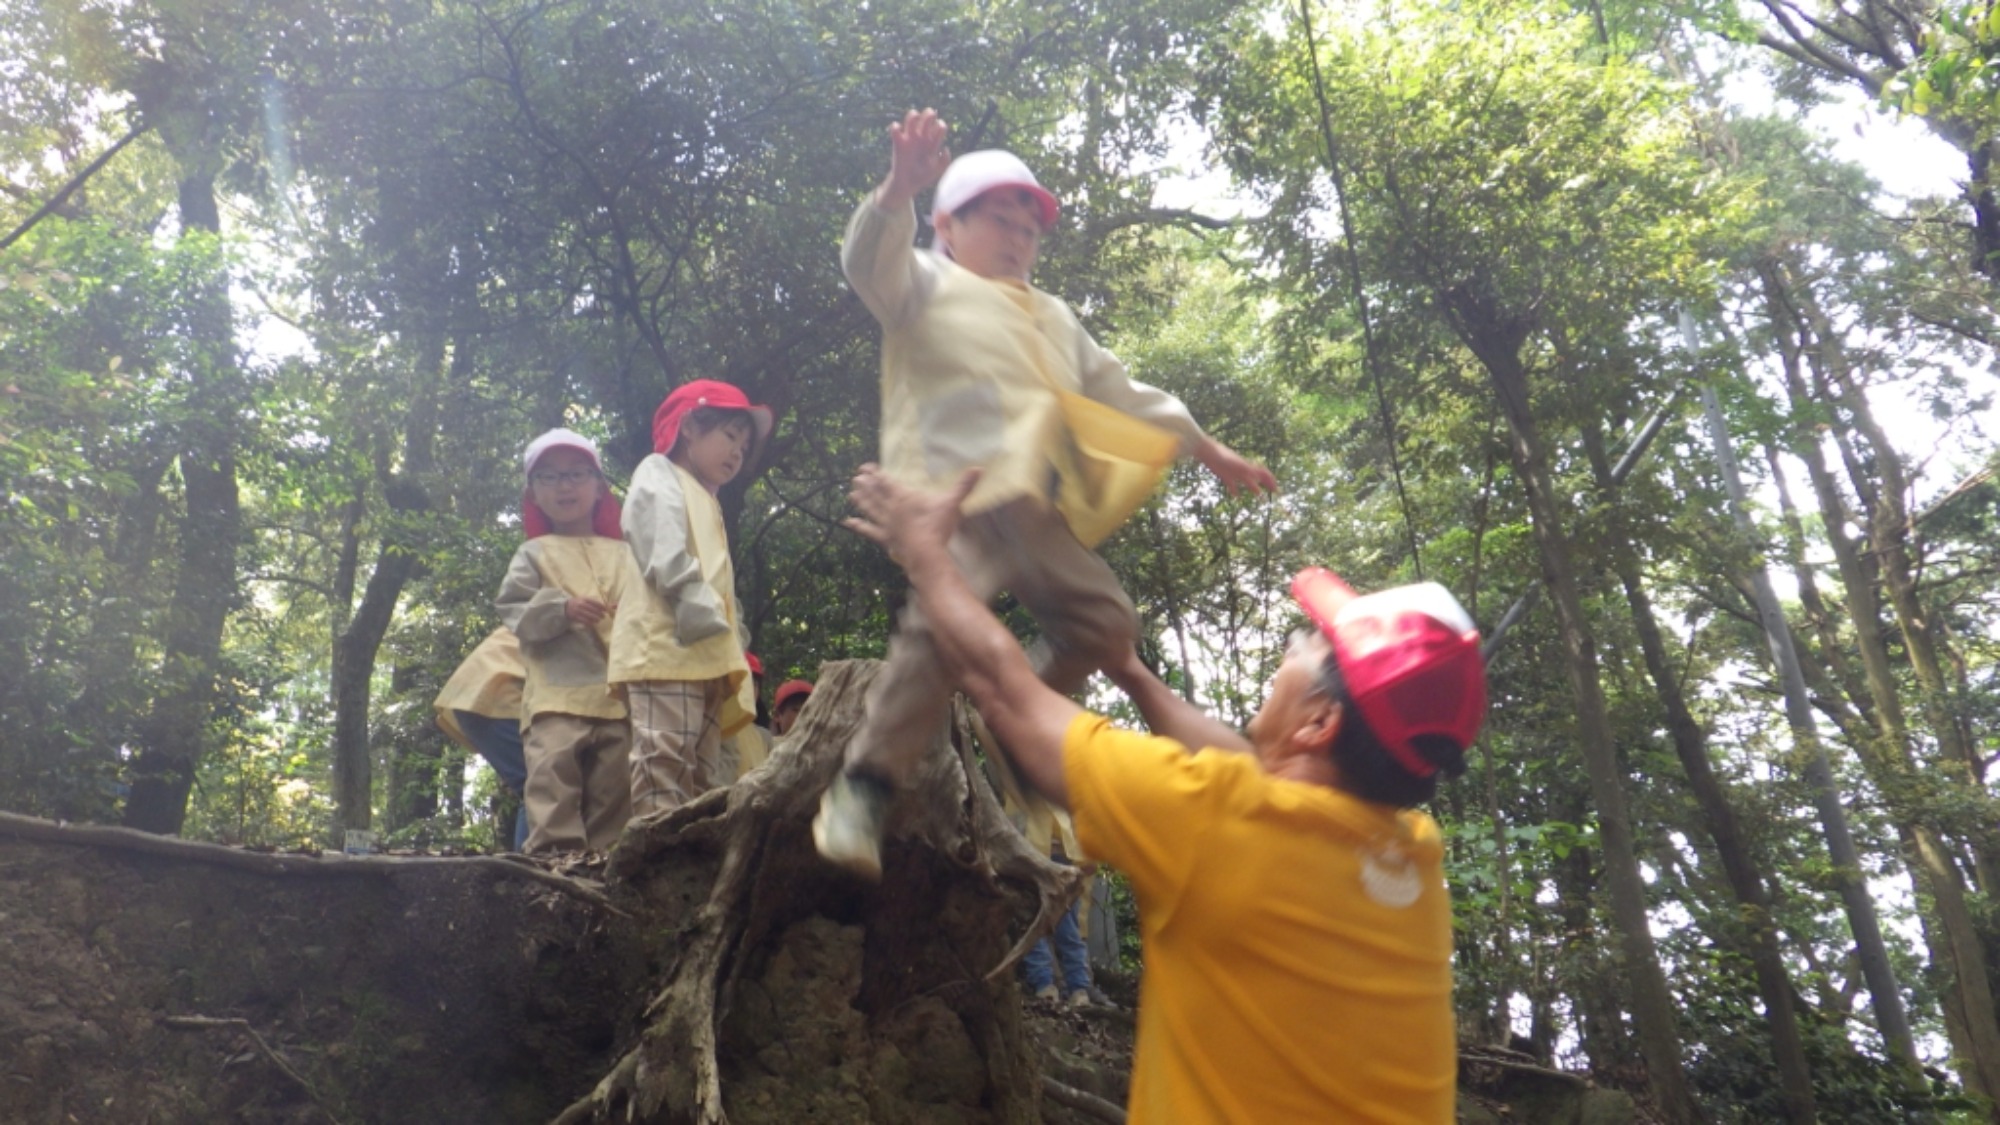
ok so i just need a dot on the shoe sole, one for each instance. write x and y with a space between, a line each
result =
859 863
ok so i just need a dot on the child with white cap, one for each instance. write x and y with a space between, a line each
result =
559 597
980 369
678 649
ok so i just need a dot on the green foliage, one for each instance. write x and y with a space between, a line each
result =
452 226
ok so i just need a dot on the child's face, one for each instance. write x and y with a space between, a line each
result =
565 485
998 238
783 718
716 455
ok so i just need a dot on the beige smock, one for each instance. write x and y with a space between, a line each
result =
968 364
488 683
681 621
565 661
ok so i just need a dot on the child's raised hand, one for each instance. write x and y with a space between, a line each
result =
917 156
586 612
1237 473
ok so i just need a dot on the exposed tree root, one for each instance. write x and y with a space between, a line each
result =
1082 1102
947 827
278 863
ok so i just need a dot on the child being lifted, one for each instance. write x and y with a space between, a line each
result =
976 363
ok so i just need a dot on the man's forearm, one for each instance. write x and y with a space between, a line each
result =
1170 716
975 648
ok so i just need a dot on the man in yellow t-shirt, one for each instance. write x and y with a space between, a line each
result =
1296 927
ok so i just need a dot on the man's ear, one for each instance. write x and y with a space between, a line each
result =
1317 730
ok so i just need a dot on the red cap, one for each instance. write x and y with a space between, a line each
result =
787 690
703 392
756 665
1409 656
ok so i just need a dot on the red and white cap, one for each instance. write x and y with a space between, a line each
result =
692 395
560 438
976 173
1410 659
604 516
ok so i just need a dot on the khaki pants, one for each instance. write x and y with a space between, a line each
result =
579 790
1026 549
676 741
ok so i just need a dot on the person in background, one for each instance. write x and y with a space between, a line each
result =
559 598
786 705
677 650
479 708
1063 950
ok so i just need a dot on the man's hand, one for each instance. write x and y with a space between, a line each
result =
917 157
586 612
913 524
1236 472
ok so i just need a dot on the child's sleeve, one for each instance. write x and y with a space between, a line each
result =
655 523
533 610
879 257
1105 379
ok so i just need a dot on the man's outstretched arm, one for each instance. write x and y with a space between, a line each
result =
1167 714
977 651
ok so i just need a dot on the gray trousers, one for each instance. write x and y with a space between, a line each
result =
1026 549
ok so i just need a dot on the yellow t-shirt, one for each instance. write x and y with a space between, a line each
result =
1297 939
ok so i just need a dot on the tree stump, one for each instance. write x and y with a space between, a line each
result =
714 970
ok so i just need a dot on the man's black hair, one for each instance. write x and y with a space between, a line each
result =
1368 769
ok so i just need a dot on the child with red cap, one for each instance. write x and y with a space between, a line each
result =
981 369
786 705
677 649
1292 901
560 594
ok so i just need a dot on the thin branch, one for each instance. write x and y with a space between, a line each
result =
75 182
210 1023
1177 216
1827 29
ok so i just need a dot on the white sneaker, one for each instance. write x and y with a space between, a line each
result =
848 829
1047 992
1079 999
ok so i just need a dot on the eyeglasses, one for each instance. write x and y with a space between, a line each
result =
550 478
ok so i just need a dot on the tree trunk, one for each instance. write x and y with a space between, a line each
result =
1746 882
1950 933
174 734
1595 993
398 561
419 785
1496 339
1891 1018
